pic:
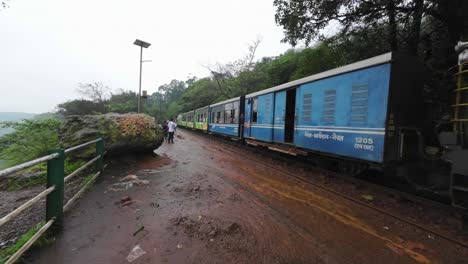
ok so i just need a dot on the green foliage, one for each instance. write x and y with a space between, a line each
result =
49 115
86 180
266 73
72 165
318 59
31 139
19 183
201 93
173 109
122 102
44 240
79 107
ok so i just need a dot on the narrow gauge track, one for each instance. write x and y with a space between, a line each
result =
352 199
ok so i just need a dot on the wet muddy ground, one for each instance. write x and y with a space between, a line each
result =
198 203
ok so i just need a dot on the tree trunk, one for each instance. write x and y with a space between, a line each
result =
415 30
392 32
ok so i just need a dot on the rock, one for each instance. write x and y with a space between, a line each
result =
122 133
212 233
233 228
136 252
125 199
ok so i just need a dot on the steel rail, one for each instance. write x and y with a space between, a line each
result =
30 242
73 174
26 205
73 199
27 164
81 146
399 218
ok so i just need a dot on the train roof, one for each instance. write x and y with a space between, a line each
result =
377 60
226 101
201 108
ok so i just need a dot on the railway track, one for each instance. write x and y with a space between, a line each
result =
387 190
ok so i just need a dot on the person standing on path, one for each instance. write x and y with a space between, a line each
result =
165 130
171 129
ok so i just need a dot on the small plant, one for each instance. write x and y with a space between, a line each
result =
6 253
30 140
86 179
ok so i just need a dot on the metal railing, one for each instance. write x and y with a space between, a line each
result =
55 189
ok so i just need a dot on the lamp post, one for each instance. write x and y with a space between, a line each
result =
142 45
161 98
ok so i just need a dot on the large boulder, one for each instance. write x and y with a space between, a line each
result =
122 133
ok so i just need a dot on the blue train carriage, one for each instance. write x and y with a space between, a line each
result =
224 117
371 111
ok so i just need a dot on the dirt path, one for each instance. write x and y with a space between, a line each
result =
197 203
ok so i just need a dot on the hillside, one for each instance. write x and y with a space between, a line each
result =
15 116
12 116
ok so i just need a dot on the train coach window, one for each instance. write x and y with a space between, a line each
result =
233 116
329 106
219 118
254 110
227 117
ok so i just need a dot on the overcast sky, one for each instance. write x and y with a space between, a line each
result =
47 47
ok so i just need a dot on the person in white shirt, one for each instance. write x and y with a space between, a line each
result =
171 129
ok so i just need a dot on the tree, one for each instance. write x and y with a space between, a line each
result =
173 90
96 92
305 20
201 93
223 74
79 107
31 139
122 102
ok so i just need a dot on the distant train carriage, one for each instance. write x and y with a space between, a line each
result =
179 120
182 120
362 111
201 118
190 119
224 117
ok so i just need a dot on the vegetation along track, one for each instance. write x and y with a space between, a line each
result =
408 196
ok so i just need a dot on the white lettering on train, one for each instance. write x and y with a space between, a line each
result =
320 135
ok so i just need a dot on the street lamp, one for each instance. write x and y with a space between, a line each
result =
161 98
142 45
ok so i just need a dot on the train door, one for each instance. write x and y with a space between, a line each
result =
289 121
247 117
279 118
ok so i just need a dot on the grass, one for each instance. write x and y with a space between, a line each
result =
6 253
14 185
21 183
87 179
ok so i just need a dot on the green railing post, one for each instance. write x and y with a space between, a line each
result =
55 175
100 151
